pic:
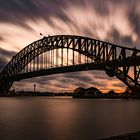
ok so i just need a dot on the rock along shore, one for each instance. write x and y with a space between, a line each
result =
130 136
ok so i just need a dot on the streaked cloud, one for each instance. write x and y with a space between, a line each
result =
5 57
22 21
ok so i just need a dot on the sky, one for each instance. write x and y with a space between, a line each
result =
22 21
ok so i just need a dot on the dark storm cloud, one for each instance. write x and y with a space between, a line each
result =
77 79
101 6
84 78
132 8
4 55
78 75
66 78
15 11
115 36
134 19
43 80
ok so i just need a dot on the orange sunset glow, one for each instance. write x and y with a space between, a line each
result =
21 23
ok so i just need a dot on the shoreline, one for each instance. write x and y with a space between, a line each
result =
128 136
106 97
79 97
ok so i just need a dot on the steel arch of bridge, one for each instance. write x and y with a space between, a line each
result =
115 60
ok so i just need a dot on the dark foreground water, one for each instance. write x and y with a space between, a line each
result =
42 118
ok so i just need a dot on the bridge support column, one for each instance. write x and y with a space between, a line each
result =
4 88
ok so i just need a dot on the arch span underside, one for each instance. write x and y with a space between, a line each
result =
67 53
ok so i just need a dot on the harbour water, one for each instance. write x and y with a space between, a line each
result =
65 118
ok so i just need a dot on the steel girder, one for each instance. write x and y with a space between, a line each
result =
116 60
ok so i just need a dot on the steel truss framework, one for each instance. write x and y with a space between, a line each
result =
51 55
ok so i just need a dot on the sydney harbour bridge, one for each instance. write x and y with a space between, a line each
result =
69 53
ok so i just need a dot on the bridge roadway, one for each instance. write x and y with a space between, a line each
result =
113 59
79 67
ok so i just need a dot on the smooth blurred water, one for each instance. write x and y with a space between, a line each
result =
55 118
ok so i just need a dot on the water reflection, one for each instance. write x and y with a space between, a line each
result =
66 118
